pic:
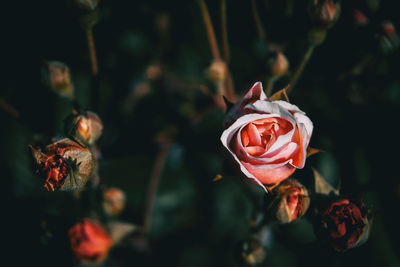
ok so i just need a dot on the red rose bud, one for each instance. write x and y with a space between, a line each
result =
291 201
216 71
65 165
114 201
266 139
278 65
56 75
85 127
89 241
324 13
344 224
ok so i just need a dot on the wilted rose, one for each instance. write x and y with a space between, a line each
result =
85 127
65 165
345 224
89 241
290 201
268 139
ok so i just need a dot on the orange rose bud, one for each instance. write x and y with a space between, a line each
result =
216 71
57 76
89 241
278 65
324 13
344 224
85 127
291 201
114 201
65 165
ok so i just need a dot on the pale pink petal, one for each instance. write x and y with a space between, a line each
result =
270 176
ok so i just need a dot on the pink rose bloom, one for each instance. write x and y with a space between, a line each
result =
268 139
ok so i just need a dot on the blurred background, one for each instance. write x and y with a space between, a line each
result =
350 89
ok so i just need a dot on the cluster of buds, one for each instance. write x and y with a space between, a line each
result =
65 164
89 241
85 127
57 76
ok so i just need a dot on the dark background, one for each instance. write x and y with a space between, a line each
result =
196 222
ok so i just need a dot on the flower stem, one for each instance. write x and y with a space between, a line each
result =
153 184
300 67
92 51
10 110
257 20
225 43
210 30
270 86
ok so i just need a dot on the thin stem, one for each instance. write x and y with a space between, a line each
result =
257 20
300 67
92 51
153 184
230 91
210 30
10 110
225 43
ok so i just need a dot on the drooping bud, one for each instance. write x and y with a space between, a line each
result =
252 252
65 165
114 201
56 75
85 127
278 64
324 13
217 70
290 201
388 39
89 241
343 223
154 72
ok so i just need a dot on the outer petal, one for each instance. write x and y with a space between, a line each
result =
268 175
255 93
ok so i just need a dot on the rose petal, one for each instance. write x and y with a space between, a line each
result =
268 174
254 136
255 150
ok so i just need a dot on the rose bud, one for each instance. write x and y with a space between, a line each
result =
89 241
359 18
290 201
388 39
267 139
65 164
324 13
114 201
57 76
252 252
216 71
278 64
344 224
85 127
